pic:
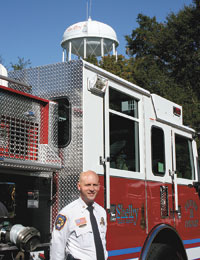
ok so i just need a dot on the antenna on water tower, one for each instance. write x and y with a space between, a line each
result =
89 38
89 9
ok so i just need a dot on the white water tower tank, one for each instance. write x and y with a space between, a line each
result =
89 38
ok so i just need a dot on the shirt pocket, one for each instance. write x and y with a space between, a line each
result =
84 236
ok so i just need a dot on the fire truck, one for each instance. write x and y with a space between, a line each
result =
74 116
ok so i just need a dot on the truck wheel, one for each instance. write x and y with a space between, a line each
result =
160 251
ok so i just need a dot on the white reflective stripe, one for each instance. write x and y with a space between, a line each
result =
193 253
132 259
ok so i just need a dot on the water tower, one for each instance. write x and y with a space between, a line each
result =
89 38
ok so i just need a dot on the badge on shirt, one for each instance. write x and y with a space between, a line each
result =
81 222
60 222
102 221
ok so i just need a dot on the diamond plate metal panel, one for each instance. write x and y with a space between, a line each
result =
62 80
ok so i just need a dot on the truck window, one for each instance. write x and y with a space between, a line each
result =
124 132
158 151
123 103
64 121
184 157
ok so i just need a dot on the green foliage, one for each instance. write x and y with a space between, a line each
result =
92 59
181 42
121 67
167 58
21 64
143 39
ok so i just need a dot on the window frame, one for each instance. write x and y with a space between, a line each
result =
56 99
188 135
164 148
121 172
191 154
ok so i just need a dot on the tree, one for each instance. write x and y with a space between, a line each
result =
121 67
181 42
21 64
167 58
92 59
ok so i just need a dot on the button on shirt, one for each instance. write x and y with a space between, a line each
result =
73 232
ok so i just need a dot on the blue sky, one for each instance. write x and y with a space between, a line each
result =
33 29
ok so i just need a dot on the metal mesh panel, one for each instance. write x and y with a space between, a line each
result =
18 138
164 205
62 80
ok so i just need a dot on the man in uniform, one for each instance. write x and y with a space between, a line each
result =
80 227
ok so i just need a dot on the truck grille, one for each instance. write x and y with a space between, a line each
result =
18 138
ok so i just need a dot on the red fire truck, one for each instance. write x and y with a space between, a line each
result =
146 159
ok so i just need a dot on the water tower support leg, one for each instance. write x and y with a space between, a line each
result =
63 55
85 48
70 51
102 48
114 53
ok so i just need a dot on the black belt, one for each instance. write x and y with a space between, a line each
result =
70 257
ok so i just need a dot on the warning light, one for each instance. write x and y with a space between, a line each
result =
177 111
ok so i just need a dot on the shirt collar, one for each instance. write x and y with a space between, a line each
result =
84 205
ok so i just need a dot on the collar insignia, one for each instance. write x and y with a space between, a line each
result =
102 221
